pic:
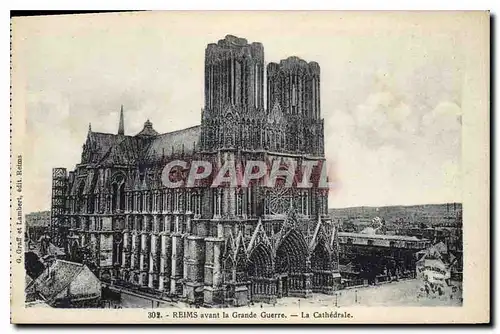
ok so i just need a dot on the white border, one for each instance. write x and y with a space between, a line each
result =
199 4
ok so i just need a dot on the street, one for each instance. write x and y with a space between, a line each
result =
404 293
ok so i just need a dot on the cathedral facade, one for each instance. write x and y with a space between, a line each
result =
212 245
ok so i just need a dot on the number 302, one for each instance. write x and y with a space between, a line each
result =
154 315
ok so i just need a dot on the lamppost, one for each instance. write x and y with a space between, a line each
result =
336 299
356 296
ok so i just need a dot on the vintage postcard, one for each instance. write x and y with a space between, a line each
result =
250 167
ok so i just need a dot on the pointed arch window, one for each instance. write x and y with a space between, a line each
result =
182 201
118 193
149 226
121 196
160 200
192 202
176 201
266 203
97 203
245 132
214 202
294 95
114 196
244 204
170 200
228 270
141 223
195 203
164 200
239 202
250 192
305 202
283 141
217 201
161 224
154 201
140 201
150 201
187 201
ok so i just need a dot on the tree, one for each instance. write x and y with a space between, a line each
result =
32 264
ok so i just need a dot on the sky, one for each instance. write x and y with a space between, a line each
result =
391 90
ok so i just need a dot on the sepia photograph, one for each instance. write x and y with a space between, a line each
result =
244 167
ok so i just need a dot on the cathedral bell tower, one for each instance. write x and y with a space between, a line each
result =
293 87
234 94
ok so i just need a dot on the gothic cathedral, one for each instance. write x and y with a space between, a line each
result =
203 244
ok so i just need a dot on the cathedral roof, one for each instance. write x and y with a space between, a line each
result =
108 148
101 143
176 142
126 150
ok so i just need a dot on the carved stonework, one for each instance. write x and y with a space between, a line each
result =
253 242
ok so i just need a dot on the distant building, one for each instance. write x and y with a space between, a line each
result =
65 284
37 224
378 257
449 214
439 259
451 237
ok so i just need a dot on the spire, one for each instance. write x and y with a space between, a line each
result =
90 127
121 126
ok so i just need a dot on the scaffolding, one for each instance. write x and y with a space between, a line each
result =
57 225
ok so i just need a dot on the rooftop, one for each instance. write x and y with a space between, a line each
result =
379 236
57 277
146 145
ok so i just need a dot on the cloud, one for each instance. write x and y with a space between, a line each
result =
442 125
385 153
53 133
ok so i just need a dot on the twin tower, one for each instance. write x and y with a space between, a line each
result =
235 93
